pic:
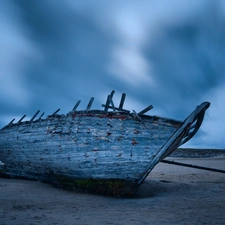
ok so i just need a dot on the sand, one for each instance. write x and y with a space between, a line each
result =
170 195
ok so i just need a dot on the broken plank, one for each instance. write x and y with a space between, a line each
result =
20 120
111 101
75 107
41 116
145 110
90 104
9 124
122 100
55 112
34 116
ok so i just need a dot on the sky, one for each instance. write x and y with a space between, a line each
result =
168 53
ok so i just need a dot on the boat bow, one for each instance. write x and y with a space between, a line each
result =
186 131
189 128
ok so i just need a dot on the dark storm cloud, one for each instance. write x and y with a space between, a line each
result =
188 58
72 48
57 52
69 65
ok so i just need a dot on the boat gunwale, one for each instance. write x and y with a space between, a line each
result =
96 113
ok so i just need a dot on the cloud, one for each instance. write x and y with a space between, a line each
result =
71 48
212 131
16 52
130 66
57 52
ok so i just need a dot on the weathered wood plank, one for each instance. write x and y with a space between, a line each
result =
20 120
9 124
41 116
108 101
139 118
76 105
122 101
112 103
106 104
145 110
90 104
55 112
34 116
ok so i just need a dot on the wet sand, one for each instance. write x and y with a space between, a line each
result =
170 195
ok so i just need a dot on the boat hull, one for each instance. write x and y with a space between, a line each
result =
85 146
110 153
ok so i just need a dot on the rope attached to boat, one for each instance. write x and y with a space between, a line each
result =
192 166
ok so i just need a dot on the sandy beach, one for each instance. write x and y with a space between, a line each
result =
170 195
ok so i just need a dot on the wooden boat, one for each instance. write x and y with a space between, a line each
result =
109 151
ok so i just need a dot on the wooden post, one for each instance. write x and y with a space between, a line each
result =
41 116
34 116
89 104
75 107
20 120
139 118
9 124
122 101
112 93
111 101
108 101
106 104
145 110
55 112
